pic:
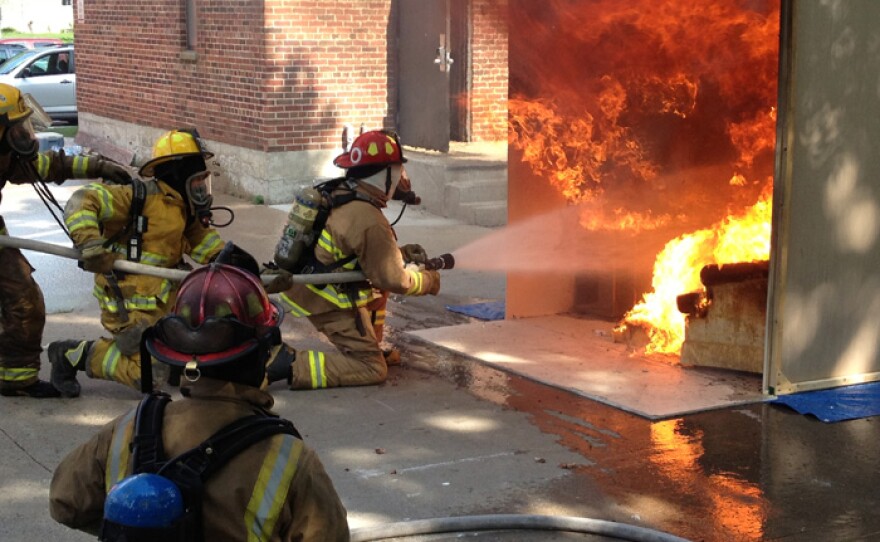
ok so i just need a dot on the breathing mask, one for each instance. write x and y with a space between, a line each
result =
400 187
198 192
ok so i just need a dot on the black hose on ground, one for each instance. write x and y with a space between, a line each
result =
506 522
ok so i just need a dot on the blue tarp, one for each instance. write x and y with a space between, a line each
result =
836 404
490 310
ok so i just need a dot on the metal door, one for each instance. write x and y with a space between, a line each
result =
425 60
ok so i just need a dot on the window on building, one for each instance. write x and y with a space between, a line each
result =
66 2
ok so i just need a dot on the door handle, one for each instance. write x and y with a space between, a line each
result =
444 59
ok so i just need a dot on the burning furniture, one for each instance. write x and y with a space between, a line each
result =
726 321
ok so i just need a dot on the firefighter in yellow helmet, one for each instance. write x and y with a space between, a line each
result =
356 236
22 310
155 222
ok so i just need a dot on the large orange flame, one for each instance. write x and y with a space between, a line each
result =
630 104
742 238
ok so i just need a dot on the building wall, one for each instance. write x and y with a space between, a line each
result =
489 79
36 16
274 79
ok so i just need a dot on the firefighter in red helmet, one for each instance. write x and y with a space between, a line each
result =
356 236
273 487
22 309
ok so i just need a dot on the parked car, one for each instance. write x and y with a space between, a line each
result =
47 74
33 43
9 50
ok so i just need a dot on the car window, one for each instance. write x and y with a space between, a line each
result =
50 64
15 62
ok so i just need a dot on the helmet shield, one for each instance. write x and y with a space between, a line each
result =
21 139
40 119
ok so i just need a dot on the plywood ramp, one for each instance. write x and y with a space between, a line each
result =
579 355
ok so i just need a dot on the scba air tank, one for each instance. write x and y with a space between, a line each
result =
298 232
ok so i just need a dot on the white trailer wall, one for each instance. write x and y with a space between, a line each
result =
824 303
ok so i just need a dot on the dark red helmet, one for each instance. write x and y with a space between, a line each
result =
375 148
222 313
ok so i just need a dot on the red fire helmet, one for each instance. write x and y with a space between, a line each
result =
372 148
222 313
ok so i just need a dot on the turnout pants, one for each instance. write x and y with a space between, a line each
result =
22 319
119 358
360 361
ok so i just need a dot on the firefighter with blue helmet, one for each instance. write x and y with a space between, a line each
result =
220 332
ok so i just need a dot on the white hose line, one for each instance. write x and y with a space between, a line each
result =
506 522
170 274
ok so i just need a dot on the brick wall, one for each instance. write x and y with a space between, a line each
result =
269 76
489 78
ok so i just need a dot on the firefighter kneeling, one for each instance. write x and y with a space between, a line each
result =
353 236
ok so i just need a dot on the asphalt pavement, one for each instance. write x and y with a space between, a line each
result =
446 436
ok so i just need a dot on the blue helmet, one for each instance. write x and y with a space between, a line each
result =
144 501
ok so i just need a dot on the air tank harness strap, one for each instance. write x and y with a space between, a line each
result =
137 224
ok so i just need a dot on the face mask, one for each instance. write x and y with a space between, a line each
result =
401 190
198 192
21 139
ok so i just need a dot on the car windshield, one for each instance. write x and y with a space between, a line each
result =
15 61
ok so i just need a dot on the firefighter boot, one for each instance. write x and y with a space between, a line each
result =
280 366
67 358
38 390
392 356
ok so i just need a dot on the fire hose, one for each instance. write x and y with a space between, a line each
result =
162 272
508 522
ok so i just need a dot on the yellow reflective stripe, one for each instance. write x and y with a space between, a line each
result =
43 165
417 282
147 258
81 219
78 351
292 307
80 165
210 244
326 242
110 361
273 484
137 302
379 318
18 374
106 200
341 300
117 458
317 369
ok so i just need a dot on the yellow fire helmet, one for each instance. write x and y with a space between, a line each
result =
13 108
172 145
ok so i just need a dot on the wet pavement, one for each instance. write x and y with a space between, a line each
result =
448 436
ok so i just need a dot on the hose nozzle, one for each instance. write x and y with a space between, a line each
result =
443 261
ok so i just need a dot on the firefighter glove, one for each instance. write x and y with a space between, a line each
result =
97 259
277 280
113 172
430 282
414 254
